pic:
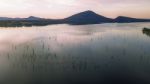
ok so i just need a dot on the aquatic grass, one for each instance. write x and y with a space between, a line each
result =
146 31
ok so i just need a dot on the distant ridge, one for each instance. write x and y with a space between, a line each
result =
29 18
82 18
5 18
123 19
33 18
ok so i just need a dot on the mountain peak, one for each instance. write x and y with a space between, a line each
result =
88 11
33 18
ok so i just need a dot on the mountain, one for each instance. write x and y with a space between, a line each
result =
123 19
87 17
16 19
33 18
5 18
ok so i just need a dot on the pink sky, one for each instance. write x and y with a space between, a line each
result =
64 8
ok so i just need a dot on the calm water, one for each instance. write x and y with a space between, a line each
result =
87 54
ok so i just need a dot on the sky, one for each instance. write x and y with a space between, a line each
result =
64 8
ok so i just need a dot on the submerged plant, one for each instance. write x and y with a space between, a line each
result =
146 31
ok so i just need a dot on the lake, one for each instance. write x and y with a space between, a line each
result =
82 54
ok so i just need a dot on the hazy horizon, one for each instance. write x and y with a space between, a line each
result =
64 8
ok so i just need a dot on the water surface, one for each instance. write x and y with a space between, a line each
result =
64 54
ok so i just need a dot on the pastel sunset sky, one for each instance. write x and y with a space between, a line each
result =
64 8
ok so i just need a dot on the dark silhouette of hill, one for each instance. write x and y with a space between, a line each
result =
123 19
86 17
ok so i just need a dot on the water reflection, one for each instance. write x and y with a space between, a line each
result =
75 55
